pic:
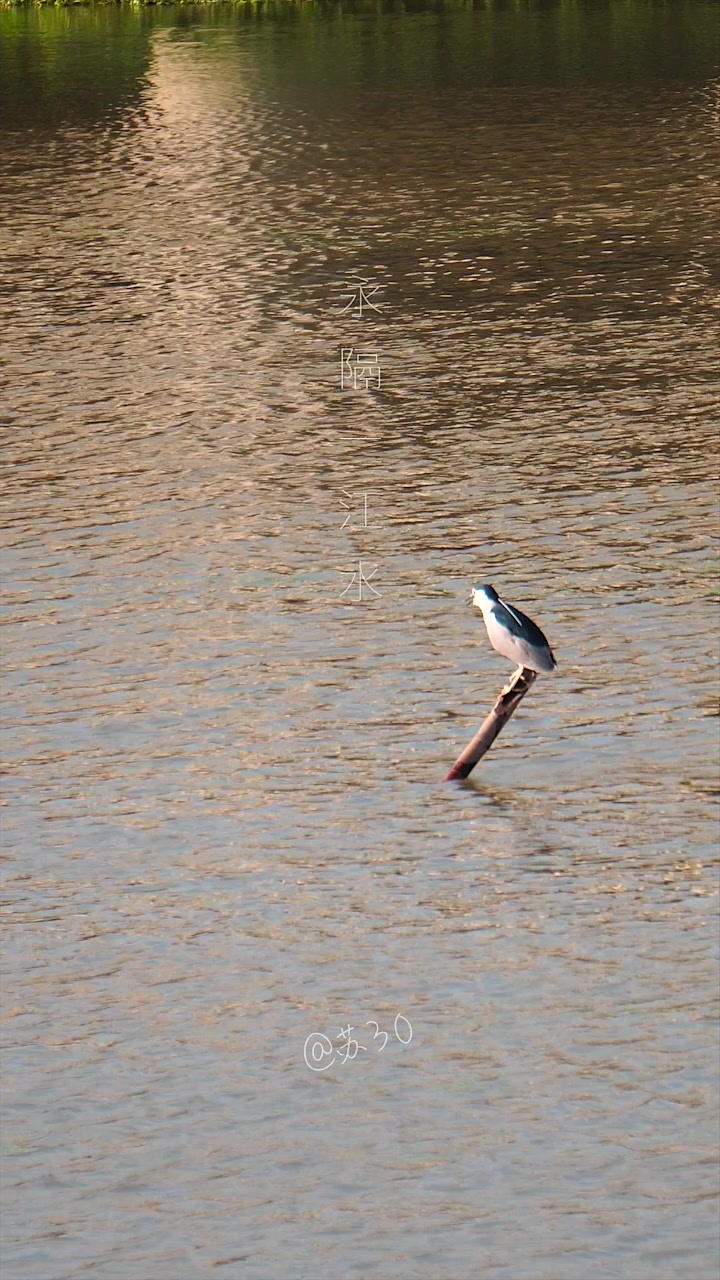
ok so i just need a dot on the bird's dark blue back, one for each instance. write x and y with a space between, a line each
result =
518 624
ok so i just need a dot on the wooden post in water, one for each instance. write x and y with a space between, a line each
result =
508 701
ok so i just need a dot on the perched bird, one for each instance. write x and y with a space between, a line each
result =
512 633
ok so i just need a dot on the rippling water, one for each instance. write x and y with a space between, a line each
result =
225 822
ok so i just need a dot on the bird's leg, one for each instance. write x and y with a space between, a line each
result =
523 677
516 675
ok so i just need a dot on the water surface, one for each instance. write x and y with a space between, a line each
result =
225 822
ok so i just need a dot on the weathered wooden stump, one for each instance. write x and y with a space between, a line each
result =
508 702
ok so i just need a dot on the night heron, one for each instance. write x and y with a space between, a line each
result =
512 633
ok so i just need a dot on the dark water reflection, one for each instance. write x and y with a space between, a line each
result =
225 826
